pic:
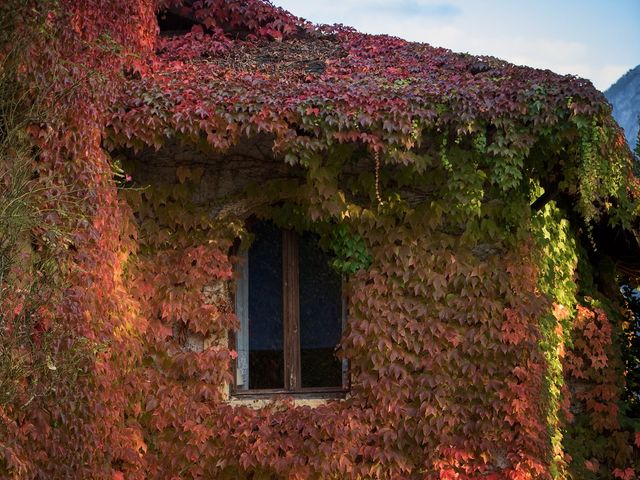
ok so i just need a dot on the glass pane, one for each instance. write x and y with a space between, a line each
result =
266 354
242 311
320 316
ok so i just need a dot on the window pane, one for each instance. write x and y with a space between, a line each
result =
266 355
320 316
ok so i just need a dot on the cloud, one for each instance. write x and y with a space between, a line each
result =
606 75
344 11
414 28
410 8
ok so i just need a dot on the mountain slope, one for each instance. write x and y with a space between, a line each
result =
624 95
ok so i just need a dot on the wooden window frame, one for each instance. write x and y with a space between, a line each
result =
291 336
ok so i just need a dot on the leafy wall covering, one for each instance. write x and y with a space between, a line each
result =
460 194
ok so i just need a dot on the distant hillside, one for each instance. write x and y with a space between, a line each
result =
624 95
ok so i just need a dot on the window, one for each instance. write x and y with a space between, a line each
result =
289 302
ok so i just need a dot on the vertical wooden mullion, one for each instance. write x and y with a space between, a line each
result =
291 310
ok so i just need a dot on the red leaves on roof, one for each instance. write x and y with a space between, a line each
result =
332 84
238 18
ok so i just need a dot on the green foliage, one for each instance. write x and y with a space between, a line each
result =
507 160
601 177
464 190
583 357
557 260
351 253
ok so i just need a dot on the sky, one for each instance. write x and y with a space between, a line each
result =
595 39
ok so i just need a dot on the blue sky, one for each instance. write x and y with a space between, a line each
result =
595 39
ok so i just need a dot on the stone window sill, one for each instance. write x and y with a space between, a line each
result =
263 398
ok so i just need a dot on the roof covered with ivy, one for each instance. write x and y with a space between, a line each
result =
223 70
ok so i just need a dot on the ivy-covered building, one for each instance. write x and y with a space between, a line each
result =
346 256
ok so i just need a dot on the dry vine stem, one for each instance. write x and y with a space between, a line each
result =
377 159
